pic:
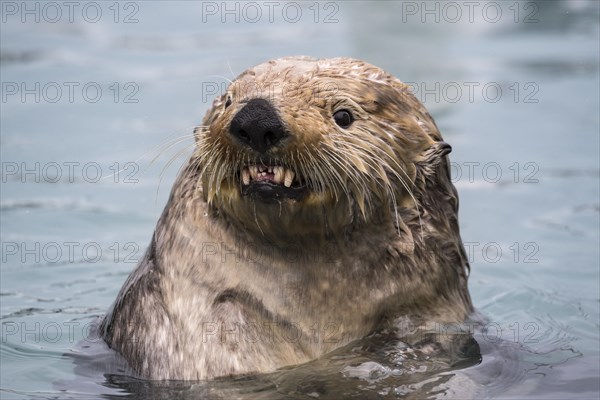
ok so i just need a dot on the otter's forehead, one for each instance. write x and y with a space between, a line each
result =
305 70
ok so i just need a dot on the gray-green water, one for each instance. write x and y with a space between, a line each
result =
93 88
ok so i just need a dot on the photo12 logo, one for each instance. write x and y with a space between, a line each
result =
68 172
69 252
494 252
472 92
48 332
69 92
494 172
270 11
270 90
69 11
453 12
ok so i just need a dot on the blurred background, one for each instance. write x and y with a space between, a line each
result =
99 99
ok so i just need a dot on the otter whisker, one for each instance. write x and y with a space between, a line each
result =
210 158
230 70
309 171
366 147
222 77
214 176
387 148
321 170
161 175
195 165
351 176
337 176
174 142
256 220
372 160
375 163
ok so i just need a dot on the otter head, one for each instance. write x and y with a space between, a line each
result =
300 149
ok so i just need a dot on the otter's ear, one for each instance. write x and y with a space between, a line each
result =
434 154
433 162
441 149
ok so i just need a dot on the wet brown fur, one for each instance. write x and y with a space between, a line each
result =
231 284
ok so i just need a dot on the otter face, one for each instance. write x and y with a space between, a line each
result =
299 146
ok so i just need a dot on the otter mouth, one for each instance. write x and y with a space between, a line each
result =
272 183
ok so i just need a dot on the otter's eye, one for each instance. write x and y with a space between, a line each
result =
228 102
343 118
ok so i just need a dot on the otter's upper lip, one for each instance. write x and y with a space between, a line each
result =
274 174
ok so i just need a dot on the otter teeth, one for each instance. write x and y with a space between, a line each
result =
253 172
280 174
289 178
246 176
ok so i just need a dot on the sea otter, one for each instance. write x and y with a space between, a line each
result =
316 208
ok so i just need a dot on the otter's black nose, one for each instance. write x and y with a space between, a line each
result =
257 125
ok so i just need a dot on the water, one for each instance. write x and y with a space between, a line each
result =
525 161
